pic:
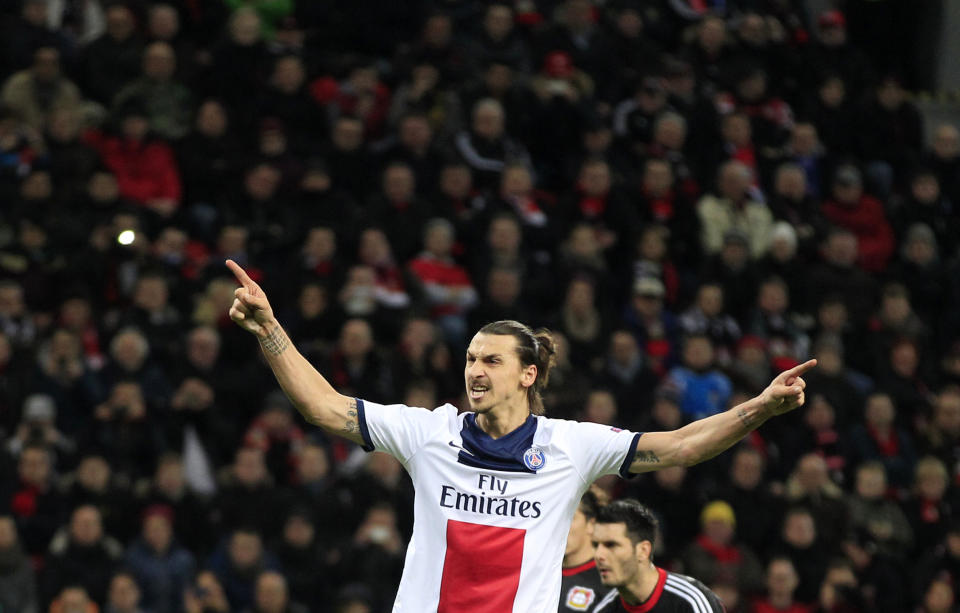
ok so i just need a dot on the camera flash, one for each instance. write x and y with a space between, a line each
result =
126 237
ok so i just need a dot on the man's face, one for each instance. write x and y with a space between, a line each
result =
348 134
94 473
698 353
245 549
871 483
488 123
657 177
617 557
356 339
74 600
85 526
8 533
298 531
812 473
581 529
159 62
890 95
734 181
498 22
124 593
947 413
747 469
158 532
799 530
46 64
398 184
271 593
249 467
415 133
595 179
946 142
34 467
456 181
781 577
493 374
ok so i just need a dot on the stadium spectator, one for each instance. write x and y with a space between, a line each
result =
112 59
236 564
206 595
803 546
18 586
81 554
159 564
781 582
123 595
733 207
717 557
33 501
34 93
849 207
272 595
930 506
166 102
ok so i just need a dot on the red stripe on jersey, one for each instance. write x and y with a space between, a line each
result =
576 570
654 598
481 571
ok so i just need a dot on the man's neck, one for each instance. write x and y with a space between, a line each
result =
642 586
500 421
579 557
781 601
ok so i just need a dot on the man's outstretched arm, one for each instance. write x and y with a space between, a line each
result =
310 393
705 438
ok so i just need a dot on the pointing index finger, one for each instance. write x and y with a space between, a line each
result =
241 275
798 370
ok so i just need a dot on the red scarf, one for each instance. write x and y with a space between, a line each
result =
593 206
929 511
725 554
889 447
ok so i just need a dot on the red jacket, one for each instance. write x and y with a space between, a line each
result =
868 221
144 171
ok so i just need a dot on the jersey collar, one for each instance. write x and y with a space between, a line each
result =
649 603
480 450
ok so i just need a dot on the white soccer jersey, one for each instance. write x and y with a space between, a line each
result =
491 516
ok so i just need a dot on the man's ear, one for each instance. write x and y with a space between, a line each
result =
643 550
528 376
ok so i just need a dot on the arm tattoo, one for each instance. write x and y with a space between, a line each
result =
744 418
276 342
645 456
351 425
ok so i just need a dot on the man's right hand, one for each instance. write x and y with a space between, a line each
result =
251 309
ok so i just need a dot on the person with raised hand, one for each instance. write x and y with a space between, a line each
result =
497 485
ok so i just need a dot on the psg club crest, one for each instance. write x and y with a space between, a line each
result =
580 598
534 459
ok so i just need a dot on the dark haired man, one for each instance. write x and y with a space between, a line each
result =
624 537
497 486
581 589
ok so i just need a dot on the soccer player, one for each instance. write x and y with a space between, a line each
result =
581 588
624 536
496 486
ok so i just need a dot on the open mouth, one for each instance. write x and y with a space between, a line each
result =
478 391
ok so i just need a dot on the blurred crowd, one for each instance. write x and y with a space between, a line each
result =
692 194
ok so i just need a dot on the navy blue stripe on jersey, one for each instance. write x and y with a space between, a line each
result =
627 461
480 450
364 431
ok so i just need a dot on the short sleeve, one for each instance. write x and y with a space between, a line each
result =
396 428
601 450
